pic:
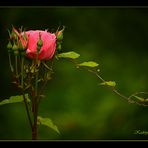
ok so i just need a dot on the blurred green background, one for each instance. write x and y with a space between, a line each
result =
116 38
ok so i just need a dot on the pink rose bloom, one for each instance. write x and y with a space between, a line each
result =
48 48
30 43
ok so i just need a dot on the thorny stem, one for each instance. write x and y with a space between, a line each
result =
35 103
36 99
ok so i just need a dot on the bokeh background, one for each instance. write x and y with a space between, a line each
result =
116 38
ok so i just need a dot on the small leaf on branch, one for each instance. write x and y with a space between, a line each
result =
71 55
15 99
47 122
89 64
109 83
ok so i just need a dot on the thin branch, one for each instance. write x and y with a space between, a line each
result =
112 88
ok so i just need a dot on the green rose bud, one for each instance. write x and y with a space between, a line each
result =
20 46
9 45
13 36
14 47
59 34
39 43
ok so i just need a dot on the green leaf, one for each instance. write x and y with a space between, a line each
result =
71 55
14 99
47 122
139 98
109 83
89 64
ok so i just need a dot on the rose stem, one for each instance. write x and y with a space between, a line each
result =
16 66
22 85
11 67
35 105
22 72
